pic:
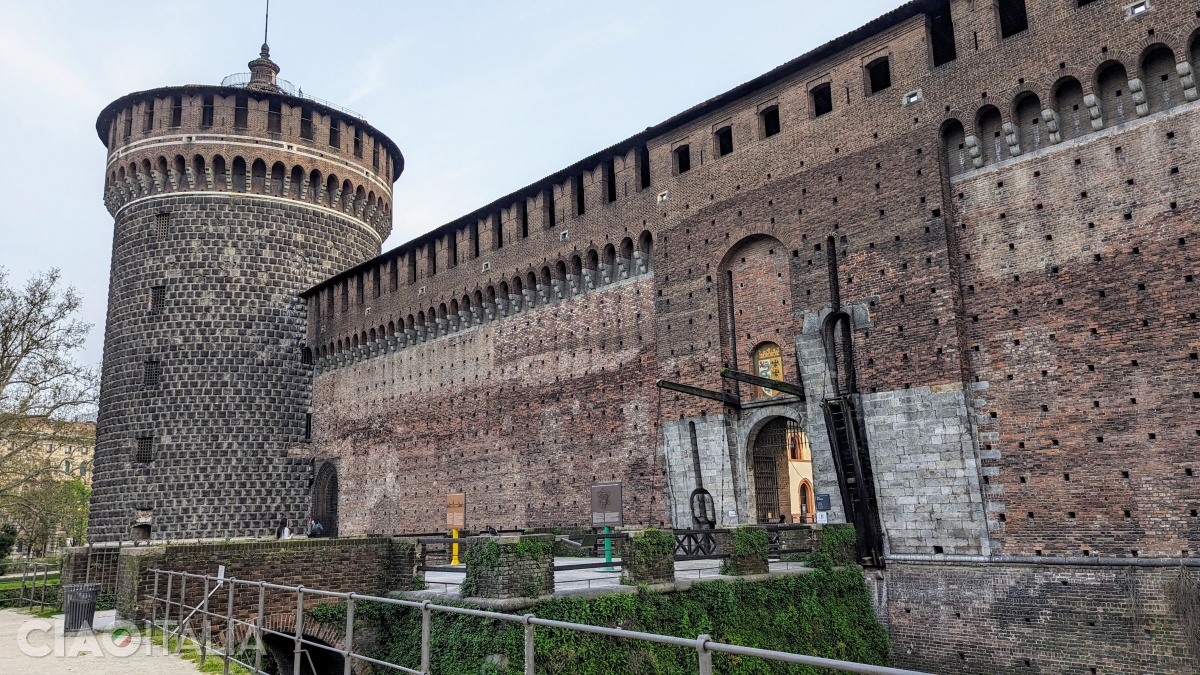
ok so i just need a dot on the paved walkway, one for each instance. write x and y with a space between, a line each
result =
571 580
32 645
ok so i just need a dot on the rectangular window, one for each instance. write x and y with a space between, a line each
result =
497 232
375 154
879 75
148 117
610 180
150 372
551 214
395 274
128 124
474 235
361 295
329 292
523 214
335 134
577 188
206 111
376 276
306 127
430 259
158 299
358 142
144 450
643 167
176 111
1013 17
162 225
724 140
346 296
452 249
241 112
308 426
941 35
412 267
683 159
275 117
822 99
770 121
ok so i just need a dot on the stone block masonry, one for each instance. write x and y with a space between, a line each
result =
509 567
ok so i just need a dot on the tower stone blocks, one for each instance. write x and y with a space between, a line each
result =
227 203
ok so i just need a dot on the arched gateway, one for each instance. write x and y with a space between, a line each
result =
325 499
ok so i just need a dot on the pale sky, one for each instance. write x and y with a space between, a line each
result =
483 98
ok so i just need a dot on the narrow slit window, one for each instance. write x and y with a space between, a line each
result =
358 145
724 138
941 35
162 225
879 74
151 370
128 124
523 214
275 117
822 99
430 259
644 167
474 234
374 155
241 112
335 134
206 111
610 179
306 126
144 450
497 232
1013 17
148 117
683 159
361 292
580 202
770 121
176 112
158 299
551 214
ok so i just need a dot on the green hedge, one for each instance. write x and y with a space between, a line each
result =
825 613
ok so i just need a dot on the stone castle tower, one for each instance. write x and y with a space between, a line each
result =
228 201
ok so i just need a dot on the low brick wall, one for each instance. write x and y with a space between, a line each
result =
373 565
746 562
509 567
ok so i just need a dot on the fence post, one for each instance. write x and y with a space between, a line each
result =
349 647
228 625
153 615
179 624
24 572
529 651
296 660
704 655
167 616
204 624
425 621
258 621
45 580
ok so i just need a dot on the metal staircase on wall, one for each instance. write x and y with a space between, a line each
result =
853 464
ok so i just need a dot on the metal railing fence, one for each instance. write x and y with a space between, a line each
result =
36 595
704 646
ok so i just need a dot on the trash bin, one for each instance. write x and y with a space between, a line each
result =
79 606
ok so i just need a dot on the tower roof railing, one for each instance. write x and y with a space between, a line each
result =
241 80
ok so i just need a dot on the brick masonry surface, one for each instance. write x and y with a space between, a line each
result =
1011 233
948 618
367 565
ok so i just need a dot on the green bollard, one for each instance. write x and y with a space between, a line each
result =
608 551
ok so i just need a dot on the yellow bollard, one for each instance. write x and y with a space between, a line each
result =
454 548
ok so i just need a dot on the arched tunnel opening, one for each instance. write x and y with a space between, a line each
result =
314 660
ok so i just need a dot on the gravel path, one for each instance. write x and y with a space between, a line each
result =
32 645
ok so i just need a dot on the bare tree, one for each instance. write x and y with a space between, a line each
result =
44 393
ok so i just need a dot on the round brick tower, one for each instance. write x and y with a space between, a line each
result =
227 201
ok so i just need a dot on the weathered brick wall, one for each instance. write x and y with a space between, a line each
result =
369 566
522 414
963 618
